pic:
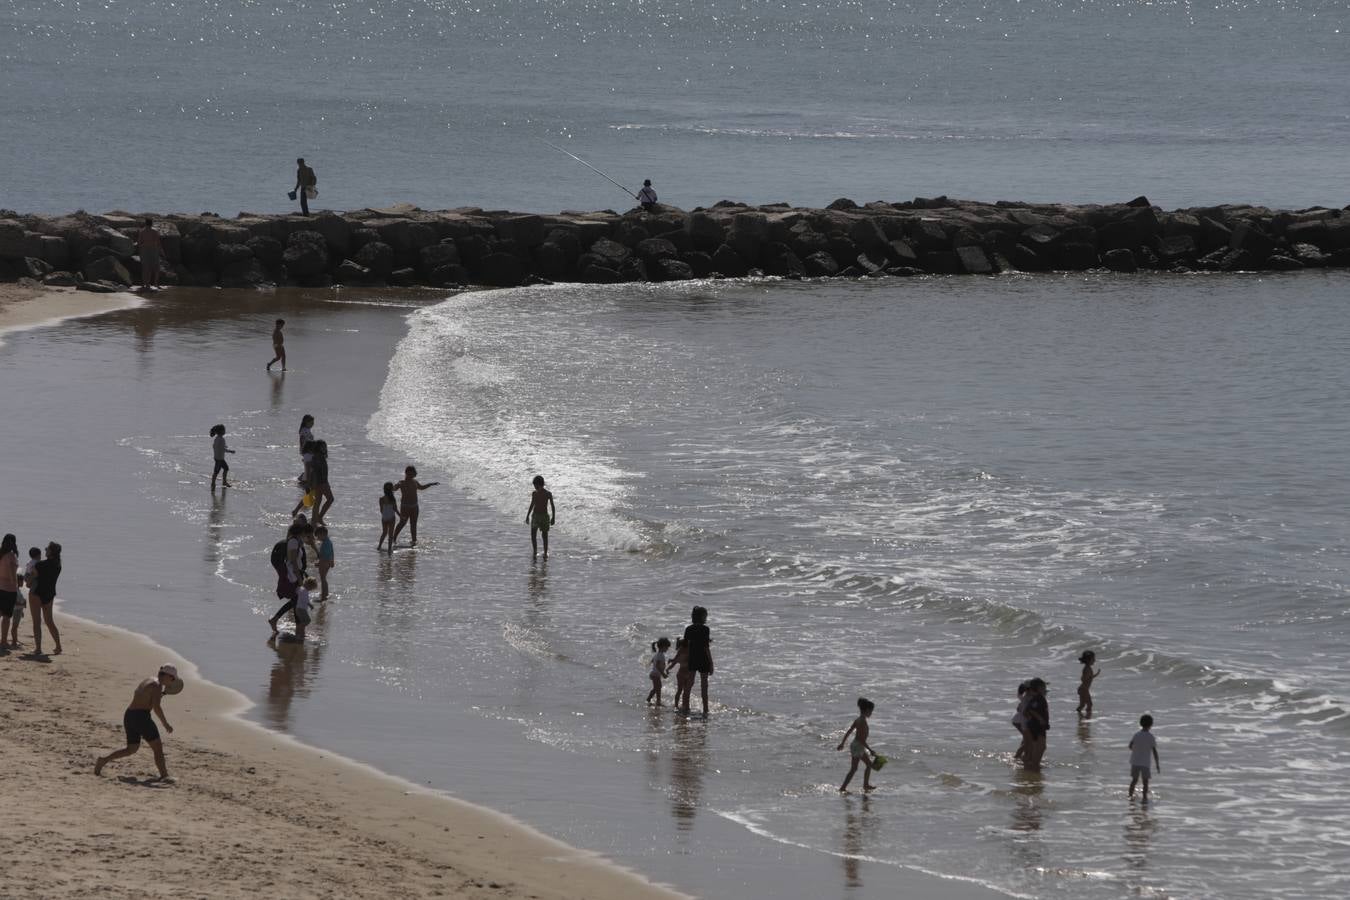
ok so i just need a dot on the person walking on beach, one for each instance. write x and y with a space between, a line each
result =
9 586
1037 724
388 514
302 610
42 594
278 346
698 638
306 185
151 247
218 450
1142 745
540 515
408 489
859 750
1085 684
326 560
647 196
323 492
140 726
658 669
290 569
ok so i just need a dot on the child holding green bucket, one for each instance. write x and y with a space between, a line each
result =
859 750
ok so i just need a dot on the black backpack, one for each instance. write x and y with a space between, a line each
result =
279 556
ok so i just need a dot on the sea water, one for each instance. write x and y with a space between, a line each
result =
191 105
919 491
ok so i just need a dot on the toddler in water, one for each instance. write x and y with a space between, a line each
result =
658 668
326 560
1019 719
302 607
859 749
218 450
684 678
388 514
1085 685
1142 746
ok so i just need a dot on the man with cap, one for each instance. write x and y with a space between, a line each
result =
647 196
139 724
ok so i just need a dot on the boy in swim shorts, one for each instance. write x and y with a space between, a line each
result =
859 750
540 515
138 723
1142 746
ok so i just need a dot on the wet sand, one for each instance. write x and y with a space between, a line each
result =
23 307
249 810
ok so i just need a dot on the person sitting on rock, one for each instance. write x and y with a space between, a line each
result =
647 196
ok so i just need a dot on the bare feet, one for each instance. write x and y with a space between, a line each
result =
273 623
98 766
57 651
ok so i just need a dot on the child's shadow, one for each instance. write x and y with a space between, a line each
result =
147 782
36 657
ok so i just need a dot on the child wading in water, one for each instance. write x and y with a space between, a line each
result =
1142 746
388 515
218 450
1019 719
859 749
698 646
278 346
1085 685
138 724
326 559
540 515
658 668
684 678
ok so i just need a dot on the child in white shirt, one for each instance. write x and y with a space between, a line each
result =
657 673
1142 746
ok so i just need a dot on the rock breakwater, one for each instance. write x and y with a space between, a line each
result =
408 246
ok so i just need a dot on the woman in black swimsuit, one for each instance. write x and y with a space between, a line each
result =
699 640
42 594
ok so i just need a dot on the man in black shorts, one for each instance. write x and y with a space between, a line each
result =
138 723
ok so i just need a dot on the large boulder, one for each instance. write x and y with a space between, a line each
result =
928 234
1120 260
54 250
306 255
778 259
122 245
107 269
805 240
267 250
1076 256
608 254
749 232
502 270
653 249
451 275
868 235
434 256
667 269
336 231
378 257
595 274
527 230
551 261
821 265
13 244
199 246
32 267
974 261
60 279
705 232
351 272
730 263
1177 248
699 263
1247 236
242 273
231 254
406 237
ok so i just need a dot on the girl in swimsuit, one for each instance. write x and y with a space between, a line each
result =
409 487
388 513
9 587
42 595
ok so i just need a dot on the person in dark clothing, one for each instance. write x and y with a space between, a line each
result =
1036 725
305 185
323 493
41 595
698 639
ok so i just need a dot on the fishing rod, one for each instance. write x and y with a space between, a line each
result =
593 169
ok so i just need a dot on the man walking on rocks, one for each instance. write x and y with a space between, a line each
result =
305 185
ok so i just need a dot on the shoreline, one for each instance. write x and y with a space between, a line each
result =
24 306
406 246
238 778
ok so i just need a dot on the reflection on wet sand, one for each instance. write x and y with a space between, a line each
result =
1085 731
857 823
1027 815
1139 828
688 759
295 668
278 395
215 528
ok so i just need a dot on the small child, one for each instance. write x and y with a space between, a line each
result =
859 749
684 678
137 721
540 515
278 346
388 515
218 449
1142 746
326 560
658 668
1019 719
1085 685
302 607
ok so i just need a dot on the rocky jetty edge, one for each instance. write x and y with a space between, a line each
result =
407 246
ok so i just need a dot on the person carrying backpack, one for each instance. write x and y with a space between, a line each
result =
288 559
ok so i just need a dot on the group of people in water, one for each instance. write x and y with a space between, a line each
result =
39 575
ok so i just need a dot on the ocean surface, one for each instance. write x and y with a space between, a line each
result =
191 105
920 491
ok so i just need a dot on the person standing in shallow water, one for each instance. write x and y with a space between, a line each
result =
1037 724
408 511
647 196
540 515
698 639
278 346
305 185
151 247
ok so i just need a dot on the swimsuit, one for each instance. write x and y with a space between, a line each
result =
697 638
7 601
138 724
540 520
387 510
857 749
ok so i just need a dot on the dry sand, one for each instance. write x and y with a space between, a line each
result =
250 812
24 306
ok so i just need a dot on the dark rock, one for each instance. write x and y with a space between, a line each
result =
1338 259
199 246
821 265
351 272
667 269
630 233
434 256
653 249
901 253
406 277
1214 235
451 275
749 233
1026 259
730 263
361 237
805 240
13 244
634 269
851 272
1176 248
474 248
98 287
843 203
928 234
600 275
1076 256
705 232
60 279
678 238
903 271
267 251
869 266
1040 237
779 260
567 240
941 262
378 257
108 269
306 255
700 263
54 250
1120 260
1282 263
840 247
974 261
231 254
33 267
867 234
1180 223
502 270
1251 239
1141 200
98 251
1309 255
242 273
527 230
551 261
406 237
608 254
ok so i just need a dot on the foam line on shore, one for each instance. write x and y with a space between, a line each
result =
46 307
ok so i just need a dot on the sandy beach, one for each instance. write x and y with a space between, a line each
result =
24 306
249 810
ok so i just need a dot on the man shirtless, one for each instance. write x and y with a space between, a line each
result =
407 509
151 248
279 346
138 724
